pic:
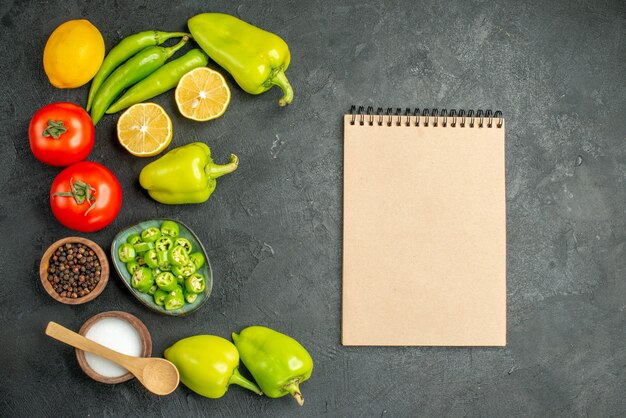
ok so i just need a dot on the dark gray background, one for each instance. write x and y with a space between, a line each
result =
273 228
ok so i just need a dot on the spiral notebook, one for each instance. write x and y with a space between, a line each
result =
424 238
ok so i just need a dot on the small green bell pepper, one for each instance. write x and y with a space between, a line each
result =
184 175
208 365
256 59
277 362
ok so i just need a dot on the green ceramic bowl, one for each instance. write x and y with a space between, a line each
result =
146 299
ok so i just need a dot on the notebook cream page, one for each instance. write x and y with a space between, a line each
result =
424 239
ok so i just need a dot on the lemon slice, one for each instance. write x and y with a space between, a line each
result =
144 129
202 94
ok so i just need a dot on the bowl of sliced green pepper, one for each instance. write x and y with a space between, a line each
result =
164 265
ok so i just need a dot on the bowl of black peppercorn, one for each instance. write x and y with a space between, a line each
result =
74 270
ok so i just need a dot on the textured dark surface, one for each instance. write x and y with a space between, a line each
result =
273 228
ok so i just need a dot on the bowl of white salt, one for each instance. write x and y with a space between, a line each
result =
119 331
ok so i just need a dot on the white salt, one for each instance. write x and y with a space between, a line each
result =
116 334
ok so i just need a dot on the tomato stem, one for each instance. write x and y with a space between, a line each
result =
80 191
54 129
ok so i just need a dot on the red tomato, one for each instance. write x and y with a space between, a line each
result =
85 196
61 134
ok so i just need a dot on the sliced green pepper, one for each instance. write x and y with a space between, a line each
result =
183 242
178 256
184 271
174 299
150 234
142 279
195 283
153 289
191 297
159 297
166 281
163 261
197 259
142 247
126 253
151 259
132 267
164 243
170 229
133 239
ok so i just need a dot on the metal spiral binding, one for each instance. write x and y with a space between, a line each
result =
426 116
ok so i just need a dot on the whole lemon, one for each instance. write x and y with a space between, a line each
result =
73 54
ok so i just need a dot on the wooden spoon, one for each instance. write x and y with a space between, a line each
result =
158 375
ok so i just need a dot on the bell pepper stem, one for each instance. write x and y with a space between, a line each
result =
294 389
280 79
216 170
238 379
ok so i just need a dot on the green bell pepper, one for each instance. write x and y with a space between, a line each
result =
184 175
277 362
256 59
208 365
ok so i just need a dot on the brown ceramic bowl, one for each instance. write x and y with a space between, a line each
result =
104 272
146 343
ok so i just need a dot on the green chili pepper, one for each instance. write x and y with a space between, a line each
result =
164 243
159 297
126 253
174 299
166 281
195 283
184 271
170 229
141 247
277 362
133 239
132 267
183 242
153 290
160 81
208 365
125 49
142 279
256 59
191 297
151 234
197 259
151 259
164 263
185 174
178 256
144 63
